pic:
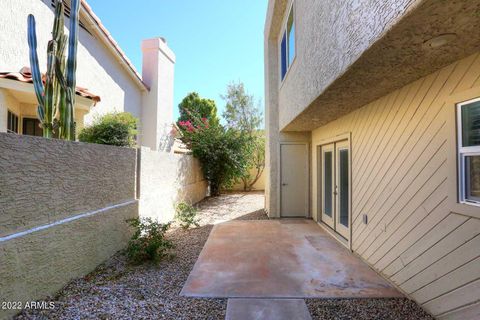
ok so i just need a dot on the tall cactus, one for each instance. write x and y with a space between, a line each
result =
56 99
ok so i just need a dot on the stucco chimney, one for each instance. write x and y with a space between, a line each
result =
157 110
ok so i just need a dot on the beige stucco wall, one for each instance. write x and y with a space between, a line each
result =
404 178
98 70
63 207
258 186
330 36
7 102
347 52
166 179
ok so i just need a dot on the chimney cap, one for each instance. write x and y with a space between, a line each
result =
160 44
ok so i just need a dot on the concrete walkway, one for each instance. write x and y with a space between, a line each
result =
280 259
266 309
276 264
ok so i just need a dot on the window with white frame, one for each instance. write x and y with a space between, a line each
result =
468 114
12 122
287 46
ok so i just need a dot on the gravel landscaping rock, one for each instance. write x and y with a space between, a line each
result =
366 309
117 290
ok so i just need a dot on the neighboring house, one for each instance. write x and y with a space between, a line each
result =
373 126
107 81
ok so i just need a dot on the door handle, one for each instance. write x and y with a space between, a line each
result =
284 184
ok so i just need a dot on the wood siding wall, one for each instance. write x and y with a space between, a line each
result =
404 179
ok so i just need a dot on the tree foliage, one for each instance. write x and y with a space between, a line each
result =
241 112
194 106
117 129
243 115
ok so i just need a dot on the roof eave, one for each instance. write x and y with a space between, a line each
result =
94 22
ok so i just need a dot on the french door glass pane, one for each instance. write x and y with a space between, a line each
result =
472 170
471 124
343 187
327 188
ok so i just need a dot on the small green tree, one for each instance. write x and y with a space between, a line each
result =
194 106
117 129
243 115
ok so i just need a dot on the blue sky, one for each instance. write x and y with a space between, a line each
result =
215 41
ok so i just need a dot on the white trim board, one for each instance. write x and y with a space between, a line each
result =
63 221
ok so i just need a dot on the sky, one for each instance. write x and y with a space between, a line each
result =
215 41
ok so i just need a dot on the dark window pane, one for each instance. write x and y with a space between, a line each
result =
291 37
343 185
9 121
471 124
472 171
31 127
327 188
283 54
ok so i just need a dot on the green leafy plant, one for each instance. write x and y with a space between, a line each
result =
148 242
56 100
186 215
117 129
223 153
194 105
242 114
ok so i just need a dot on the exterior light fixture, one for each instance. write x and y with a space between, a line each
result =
439 41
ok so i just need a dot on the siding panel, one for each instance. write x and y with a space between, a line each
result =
462 296
401 178
459 277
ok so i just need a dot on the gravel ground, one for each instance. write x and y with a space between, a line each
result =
366 309
116 290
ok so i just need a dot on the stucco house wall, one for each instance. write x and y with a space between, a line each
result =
334 41
97 68
101 68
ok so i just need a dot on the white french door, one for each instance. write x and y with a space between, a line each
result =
335 186
328 184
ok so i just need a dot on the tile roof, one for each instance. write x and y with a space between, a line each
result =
25 75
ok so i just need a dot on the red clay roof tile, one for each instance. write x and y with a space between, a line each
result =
25 75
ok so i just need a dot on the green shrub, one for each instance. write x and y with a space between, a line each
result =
148 242
223 153
116 129
186 215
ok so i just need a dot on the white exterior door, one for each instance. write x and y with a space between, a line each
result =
335 180
294 180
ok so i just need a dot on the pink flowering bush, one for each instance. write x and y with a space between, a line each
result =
223 153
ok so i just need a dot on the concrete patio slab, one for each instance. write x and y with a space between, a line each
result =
267 309
280 259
